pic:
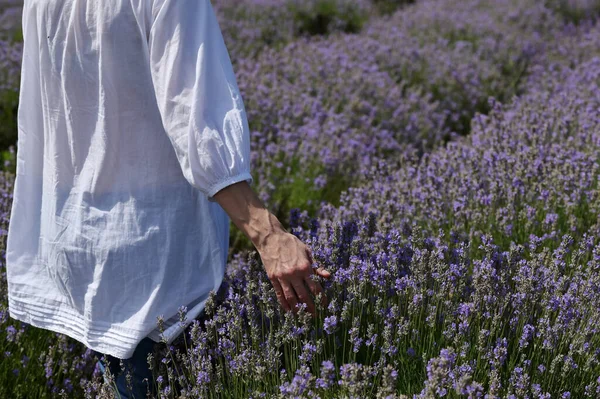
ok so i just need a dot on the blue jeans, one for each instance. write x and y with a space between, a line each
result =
138 364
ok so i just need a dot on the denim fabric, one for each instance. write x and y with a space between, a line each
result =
138 364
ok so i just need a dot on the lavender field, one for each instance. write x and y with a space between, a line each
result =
442 160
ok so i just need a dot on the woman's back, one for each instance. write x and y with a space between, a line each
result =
129 120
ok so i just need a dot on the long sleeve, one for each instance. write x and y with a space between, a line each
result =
198 96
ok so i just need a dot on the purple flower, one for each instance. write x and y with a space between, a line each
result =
329 324
308 351
203 377
327 377
528 331
11 332
300 383
541 368
68 385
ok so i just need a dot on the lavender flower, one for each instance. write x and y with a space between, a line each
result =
330 323
327 377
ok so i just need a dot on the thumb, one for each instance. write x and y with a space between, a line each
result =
322 272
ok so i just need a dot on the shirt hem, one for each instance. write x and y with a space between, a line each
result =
63 321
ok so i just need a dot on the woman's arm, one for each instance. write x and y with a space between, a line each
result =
286 259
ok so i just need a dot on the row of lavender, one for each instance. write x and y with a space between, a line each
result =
318 105
475 274
250 26
528 169
429 295
323 109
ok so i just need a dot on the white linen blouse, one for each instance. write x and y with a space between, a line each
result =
130 120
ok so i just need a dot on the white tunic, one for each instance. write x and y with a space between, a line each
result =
130 120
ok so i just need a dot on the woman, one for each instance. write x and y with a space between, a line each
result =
133 155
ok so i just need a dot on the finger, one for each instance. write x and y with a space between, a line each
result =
280 296
316 288
303 295
320 270
289 294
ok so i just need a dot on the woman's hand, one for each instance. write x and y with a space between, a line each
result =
288 263
287 260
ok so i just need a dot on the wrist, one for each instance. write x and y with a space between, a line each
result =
249 214
263 227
